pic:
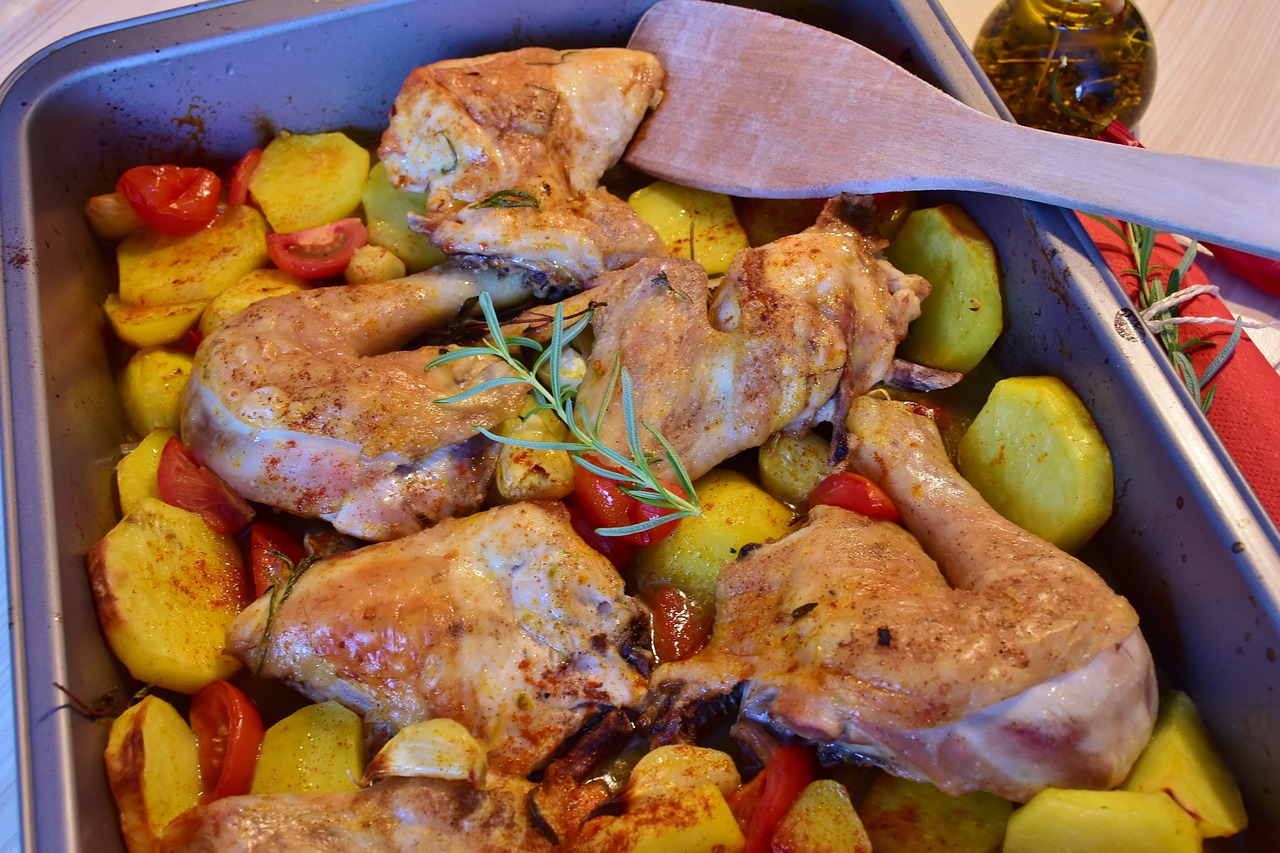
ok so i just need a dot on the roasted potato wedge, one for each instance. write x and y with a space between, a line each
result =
305 180
316 748
1073 821
153 770
166 588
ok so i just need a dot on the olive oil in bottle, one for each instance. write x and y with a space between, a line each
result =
1070 66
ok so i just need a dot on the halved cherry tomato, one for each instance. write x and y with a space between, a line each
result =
175 200
680 627
318 252
761 804
854 492
618 552
241 174
228 730
186 484
267 543
605 505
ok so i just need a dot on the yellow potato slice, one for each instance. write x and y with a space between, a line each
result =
316 748
735 513
167 588
1037 457
1182 762
692 223
160 269
136 472
904 816
1072 821
963 314
151 388
252 287
145 326
822 820
305 180
153 770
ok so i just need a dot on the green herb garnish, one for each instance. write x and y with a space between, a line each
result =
633 473
454 151
279 592
1158 302
509 198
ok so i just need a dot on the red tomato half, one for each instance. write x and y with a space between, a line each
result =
680 628
605 505
267 543
318 252
185 483
228 730
241 174
172 199
618 552
762 803
854 492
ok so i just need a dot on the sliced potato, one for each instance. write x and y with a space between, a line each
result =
790 466
373 263
136 472
735 513
963 314
1182 762
316 748
821 820
1072 821
153 770
439 749
252 287
160 269
305 180
167 588
692 223
674 803
904 816
151 388
387 210
145 326
1037 457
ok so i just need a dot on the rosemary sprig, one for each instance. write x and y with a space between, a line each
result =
632 471
279 593
1154 291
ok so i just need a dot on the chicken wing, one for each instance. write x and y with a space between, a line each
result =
1005 666
505 621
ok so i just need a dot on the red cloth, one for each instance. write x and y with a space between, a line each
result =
1246 405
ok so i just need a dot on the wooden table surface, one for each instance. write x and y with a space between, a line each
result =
1216 96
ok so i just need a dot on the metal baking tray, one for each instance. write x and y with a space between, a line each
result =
1189 543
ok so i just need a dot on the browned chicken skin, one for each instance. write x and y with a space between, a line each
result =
1006 666
505 621
395 815
538 128
718 371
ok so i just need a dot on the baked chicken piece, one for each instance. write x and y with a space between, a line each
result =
792 325
511 147
505 621
394 815
1006 666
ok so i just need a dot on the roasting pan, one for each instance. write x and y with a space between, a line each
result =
1189 542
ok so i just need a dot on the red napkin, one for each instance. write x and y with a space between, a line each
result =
1246 405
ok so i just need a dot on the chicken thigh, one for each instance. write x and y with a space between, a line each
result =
505 621
1005 666
511 147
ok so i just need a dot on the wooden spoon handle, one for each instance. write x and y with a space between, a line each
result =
1234 204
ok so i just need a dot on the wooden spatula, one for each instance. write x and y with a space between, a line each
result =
758 105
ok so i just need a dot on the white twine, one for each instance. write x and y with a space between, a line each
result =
1185 294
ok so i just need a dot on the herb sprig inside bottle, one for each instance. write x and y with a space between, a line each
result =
633 471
